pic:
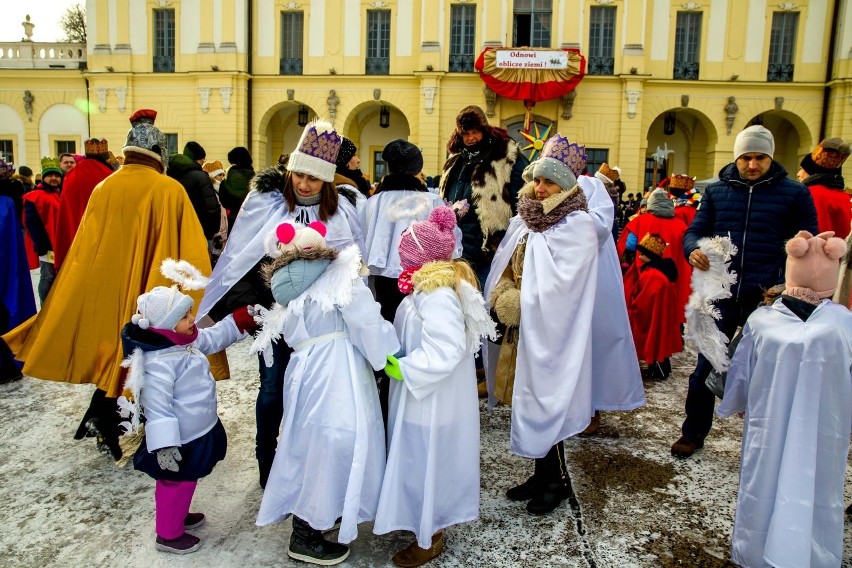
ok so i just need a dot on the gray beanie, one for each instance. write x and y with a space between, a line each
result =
754 139
555 171
660 204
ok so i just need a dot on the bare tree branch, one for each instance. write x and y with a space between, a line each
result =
73 23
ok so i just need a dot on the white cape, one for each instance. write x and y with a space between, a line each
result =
383 219
552 398
793 380
615 366
260 214
331 453
432 475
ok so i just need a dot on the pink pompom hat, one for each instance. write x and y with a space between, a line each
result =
429 240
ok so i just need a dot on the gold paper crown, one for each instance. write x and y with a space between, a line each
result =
654 244
609 172
50 163
681 181
831 153
96 146
572 155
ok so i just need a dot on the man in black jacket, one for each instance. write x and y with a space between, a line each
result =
186 168
760 209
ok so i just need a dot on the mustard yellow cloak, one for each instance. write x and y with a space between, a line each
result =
135 218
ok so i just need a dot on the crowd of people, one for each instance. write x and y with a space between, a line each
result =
378 310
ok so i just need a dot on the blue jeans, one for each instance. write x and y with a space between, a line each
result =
700 402
270 401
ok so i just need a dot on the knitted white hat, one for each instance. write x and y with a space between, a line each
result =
754 139
161 308
316 152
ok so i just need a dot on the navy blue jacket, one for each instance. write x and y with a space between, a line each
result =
759 216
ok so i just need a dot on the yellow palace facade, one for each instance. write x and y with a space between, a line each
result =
679 76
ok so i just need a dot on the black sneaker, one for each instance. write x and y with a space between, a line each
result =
523 492
308 545
184 544
193 521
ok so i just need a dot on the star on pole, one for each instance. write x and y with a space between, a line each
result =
537 141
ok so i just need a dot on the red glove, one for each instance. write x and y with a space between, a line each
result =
245 322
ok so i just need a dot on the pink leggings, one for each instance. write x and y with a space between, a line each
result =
172 499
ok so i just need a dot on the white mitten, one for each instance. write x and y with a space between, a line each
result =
168 458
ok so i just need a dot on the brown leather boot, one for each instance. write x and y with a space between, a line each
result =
413 555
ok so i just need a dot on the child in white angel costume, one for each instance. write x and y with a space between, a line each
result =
331 452
791 378
432 476
169 377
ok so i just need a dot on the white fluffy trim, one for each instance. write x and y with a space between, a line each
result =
128 409
183 273
477 321
332 289
707 287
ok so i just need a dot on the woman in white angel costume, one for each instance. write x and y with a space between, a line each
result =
331 453
543 280
303 193
432 476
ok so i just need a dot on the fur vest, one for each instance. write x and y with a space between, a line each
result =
490 185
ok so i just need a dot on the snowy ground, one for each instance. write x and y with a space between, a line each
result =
63 504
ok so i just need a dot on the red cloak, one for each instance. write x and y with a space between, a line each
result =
834 210
77 187
47 206
655 314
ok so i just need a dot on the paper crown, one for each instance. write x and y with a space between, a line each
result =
831 153
681 181
611 173
50 165
213 168
143 115
653 245
572 155
96 146
316 153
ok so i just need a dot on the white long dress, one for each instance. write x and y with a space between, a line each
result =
793 380
432 476
617 383
331 453
552 396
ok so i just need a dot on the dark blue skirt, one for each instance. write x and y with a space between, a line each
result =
197 457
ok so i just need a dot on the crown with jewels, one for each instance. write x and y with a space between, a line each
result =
316 153
572 155
96 146
653 245
682 181
50 165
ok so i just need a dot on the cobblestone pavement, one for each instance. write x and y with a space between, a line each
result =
64 505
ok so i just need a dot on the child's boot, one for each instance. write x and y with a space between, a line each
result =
308 545
413 555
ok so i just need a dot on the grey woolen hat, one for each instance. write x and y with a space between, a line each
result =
403 157
754 139
660 204
555 171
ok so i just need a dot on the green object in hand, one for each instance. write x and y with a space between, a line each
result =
392 368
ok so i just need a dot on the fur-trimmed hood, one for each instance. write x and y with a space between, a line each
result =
268 180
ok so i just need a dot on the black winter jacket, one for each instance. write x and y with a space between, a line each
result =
199 188
759 216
